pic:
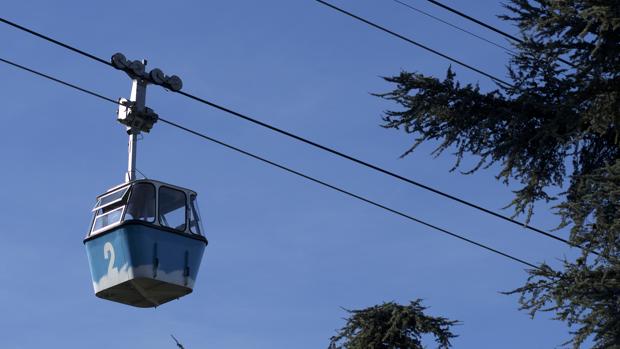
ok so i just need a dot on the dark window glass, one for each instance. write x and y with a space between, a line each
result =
195 223
172 208
141 204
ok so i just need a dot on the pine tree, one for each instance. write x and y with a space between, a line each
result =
559 125
392 326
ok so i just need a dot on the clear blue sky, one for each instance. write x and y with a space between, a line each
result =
284 255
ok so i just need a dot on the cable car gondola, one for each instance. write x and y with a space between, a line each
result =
146 239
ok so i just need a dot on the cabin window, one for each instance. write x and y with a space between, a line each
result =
172 208
111 198
109 209
195 223
108 218
141 204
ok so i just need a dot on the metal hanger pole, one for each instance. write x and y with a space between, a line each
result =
138 100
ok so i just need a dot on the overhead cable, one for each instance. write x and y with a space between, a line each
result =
488 26
62 44
413 8
289 170
393 33
322 147
57 80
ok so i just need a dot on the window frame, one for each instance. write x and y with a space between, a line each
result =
156 200
122 215
195 213
159 215
98 207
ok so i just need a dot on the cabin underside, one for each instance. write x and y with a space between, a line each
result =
144 292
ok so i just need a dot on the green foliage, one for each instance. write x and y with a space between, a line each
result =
586 294
582 295
392 326
559 126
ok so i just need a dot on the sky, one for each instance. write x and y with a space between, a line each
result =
285 256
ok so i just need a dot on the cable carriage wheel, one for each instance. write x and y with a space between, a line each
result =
146 239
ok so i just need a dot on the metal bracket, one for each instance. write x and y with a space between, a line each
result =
134 113
135 120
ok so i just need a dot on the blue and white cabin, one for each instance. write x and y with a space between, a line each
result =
145 243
